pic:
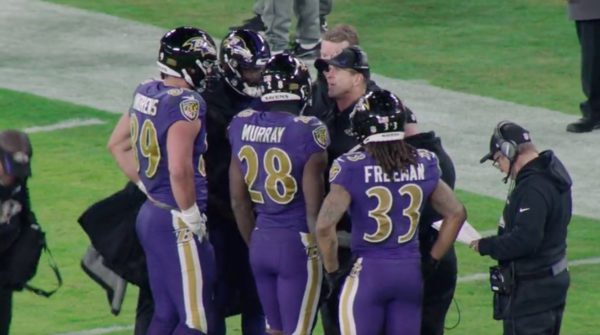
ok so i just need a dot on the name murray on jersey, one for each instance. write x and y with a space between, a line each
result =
375 173
253 133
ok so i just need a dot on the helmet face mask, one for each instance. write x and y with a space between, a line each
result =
188 53
242 53
286 78
378 116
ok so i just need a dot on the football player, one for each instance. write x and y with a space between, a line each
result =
276 182
159 145
385 187
242 57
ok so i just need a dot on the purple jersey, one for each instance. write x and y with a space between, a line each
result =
385 209
155 108
273 148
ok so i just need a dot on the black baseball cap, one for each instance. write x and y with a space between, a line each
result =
15 153
410 116
352 57
506 131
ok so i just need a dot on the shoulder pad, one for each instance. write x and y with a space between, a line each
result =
304 119
175 92
354 156
245 113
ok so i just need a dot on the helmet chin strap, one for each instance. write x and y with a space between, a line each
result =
188 78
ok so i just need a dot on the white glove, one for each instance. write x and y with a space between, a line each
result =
193 219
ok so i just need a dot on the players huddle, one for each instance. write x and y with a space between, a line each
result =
277 163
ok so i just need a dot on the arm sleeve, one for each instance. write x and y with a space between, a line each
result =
527 232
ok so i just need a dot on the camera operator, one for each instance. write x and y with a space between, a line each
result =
15 211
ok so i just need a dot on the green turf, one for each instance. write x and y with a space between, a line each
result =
72 169
518 50
523 51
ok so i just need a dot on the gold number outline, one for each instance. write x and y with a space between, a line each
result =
384 205
279 173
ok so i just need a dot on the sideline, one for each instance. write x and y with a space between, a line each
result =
484 276
66 124
100 331
465 279
112 55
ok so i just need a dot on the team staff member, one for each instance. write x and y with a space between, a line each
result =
346 80
242 57
15 209
531 243
385 187
586 14
333 42
159 144
440 285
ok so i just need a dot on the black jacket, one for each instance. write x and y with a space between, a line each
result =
223 104
429 141
534 234
337 122
110 225
15 214
439 287
15 211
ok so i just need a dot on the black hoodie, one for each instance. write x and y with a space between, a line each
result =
534 234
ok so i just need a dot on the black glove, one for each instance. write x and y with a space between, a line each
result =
334 282
429 266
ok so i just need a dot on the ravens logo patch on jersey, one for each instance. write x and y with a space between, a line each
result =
190 108
321 136
334 170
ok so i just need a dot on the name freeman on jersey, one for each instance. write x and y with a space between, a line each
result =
144 104
252 133
375 173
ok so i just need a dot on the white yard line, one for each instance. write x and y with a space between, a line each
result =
71 123
485 276
100 331
464 279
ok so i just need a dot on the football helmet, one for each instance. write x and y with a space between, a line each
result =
286 78
243 51
189 53
378 116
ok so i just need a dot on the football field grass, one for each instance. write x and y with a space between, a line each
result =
521 51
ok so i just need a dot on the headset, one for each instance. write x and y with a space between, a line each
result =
508 148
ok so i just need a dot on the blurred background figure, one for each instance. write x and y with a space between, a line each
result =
15 212
586 14
256 23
